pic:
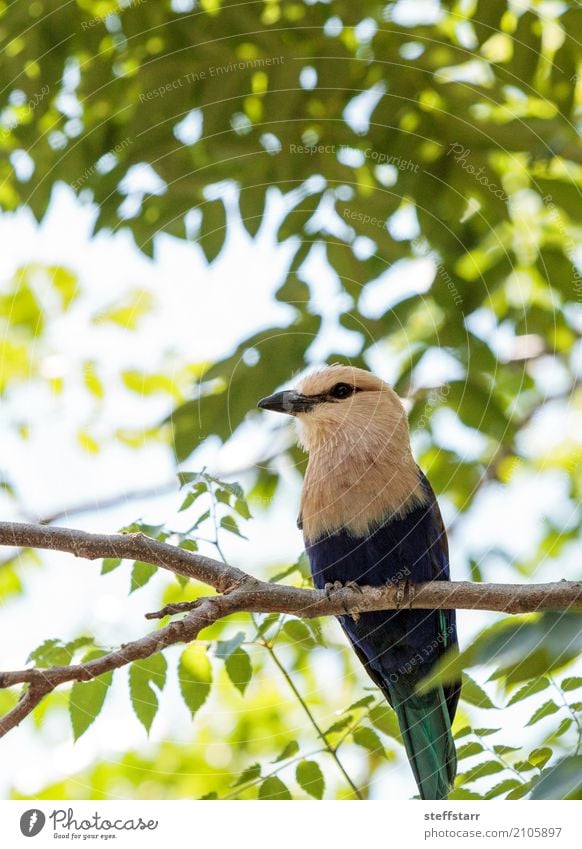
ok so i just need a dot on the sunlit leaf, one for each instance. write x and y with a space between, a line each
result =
195 676
142 675
239 669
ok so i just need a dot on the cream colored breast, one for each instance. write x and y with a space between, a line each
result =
357 488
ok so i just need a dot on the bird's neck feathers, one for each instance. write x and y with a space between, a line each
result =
359 474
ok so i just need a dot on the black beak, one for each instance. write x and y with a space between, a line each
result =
289 402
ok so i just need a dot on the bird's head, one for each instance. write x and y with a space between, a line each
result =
339 405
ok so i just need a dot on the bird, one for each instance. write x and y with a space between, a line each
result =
369 516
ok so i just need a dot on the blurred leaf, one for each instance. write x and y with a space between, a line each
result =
239 669
546 709
368 739
540 757
195 676
503 787
310 777
290 749
87 698
537 685
571 683
109 564
273 788
251 773
298 632
129 312
562 781
481 770
141 573
467 750
229 524
521 648
471 692
142 674
224 648
384 719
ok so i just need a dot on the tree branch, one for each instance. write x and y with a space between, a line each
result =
243 593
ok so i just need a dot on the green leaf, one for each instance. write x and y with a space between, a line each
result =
520 791
547 709
521 648
384 719
109 564
284 574
226 647
299 632
365 701
482 769
534 686
467 750
505 750
571 684
142 675
563 726
290 749
273 788
562 781
229 524
251 773
267 623
194 493
368 739
185 478
87 698
242 508
310 777
462 793
141 574
463 732
503 787
239 669
314 625
195 676
340 725
540 757
213 228
53 652
485 732
472 693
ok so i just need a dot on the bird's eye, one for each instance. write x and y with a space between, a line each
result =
342 390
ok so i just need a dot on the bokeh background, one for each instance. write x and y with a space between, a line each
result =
199 201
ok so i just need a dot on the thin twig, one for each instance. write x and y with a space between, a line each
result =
313 720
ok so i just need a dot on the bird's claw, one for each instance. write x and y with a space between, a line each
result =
330 588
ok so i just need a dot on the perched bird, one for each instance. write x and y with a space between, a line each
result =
369 516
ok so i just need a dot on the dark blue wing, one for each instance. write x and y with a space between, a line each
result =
392 644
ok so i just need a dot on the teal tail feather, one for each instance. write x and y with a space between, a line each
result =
425 725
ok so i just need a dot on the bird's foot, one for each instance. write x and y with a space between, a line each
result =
404 588
330 588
